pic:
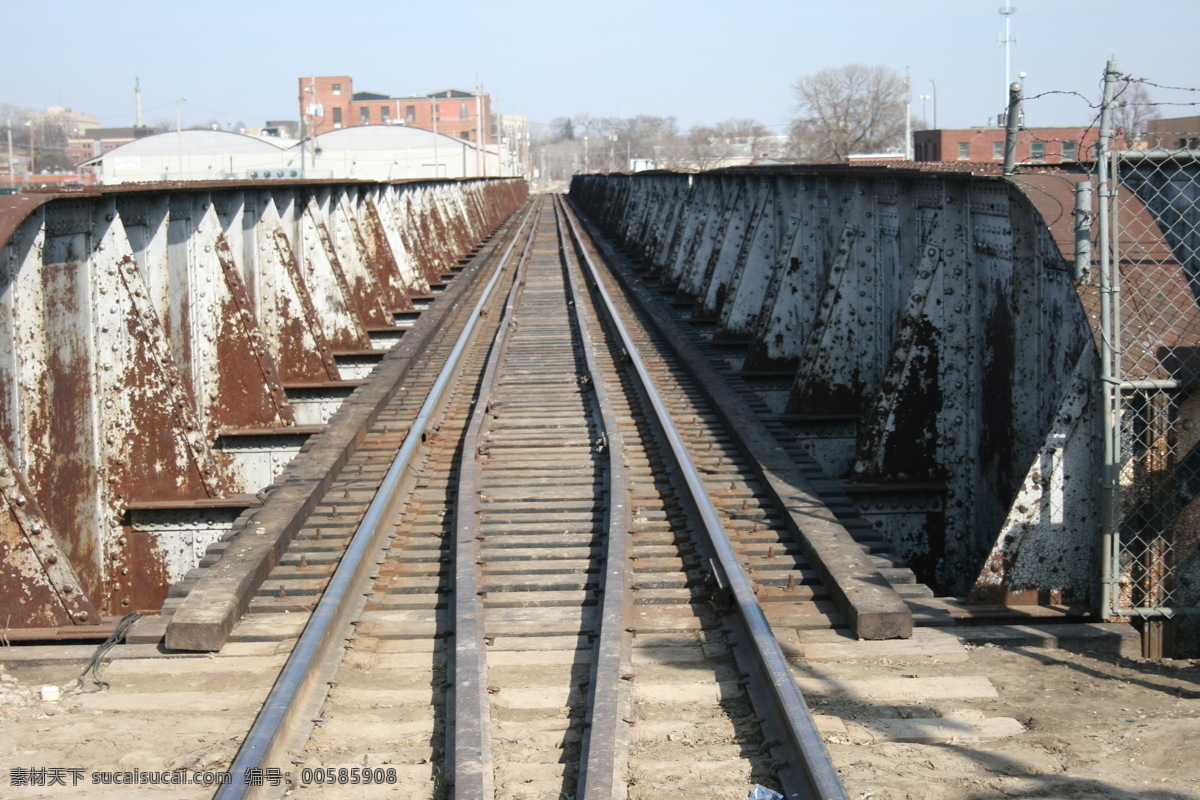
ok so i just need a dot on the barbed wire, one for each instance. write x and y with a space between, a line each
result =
1040 95
1147 82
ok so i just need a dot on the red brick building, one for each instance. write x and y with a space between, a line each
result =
330 102
1034 145
98 141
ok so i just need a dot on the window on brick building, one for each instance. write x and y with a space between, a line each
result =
337 88
964 151
1037 150
464 135
462 111
410 113
385 115
337 118
997 150
1070 150
364 116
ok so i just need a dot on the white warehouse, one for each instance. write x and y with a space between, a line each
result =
369 152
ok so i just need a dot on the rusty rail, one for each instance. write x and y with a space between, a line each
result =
471 733
324 635
807 753
600 777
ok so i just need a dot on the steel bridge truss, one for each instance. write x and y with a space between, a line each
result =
166 351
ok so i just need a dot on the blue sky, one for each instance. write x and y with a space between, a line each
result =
699 61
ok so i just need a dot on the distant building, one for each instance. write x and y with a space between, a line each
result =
1034 145
191 155
329 103
513 132
281 128
375 153
98 141
66 119
1178 133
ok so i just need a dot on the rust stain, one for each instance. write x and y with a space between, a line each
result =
301 361
382 260
61 429
248 390
170 459
139 580
76 555
359 308
42 589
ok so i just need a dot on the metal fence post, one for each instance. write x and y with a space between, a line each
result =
1110 516
1013 124
1083 231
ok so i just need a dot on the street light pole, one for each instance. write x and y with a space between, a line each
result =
433 111
32 145
179 131
934 85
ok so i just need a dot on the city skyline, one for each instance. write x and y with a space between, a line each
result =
697 62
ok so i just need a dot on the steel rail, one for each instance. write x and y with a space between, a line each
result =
471 770
807 752
334 612
600 759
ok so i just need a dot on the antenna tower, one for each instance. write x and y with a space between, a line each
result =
1007 39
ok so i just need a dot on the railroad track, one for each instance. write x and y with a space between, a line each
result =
599 626
548 596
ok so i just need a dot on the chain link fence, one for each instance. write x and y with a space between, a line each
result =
1149 220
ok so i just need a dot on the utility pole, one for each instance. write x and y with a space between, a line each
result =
481 158
1007 39
437 165
303 129
908 153
137 98
309 112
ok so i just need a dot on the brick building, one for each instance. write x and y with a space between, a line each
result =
1178 133
329 102
1034 145
98 141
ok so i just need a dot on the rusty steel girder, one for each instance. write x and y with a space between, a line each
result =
922 334
160 349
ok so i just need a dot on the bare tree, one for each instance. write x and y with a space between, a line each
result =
734 141
1134 111
649 137
850 109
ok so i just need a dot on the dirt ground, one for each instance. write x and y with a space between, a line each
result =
1094 726
159 716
